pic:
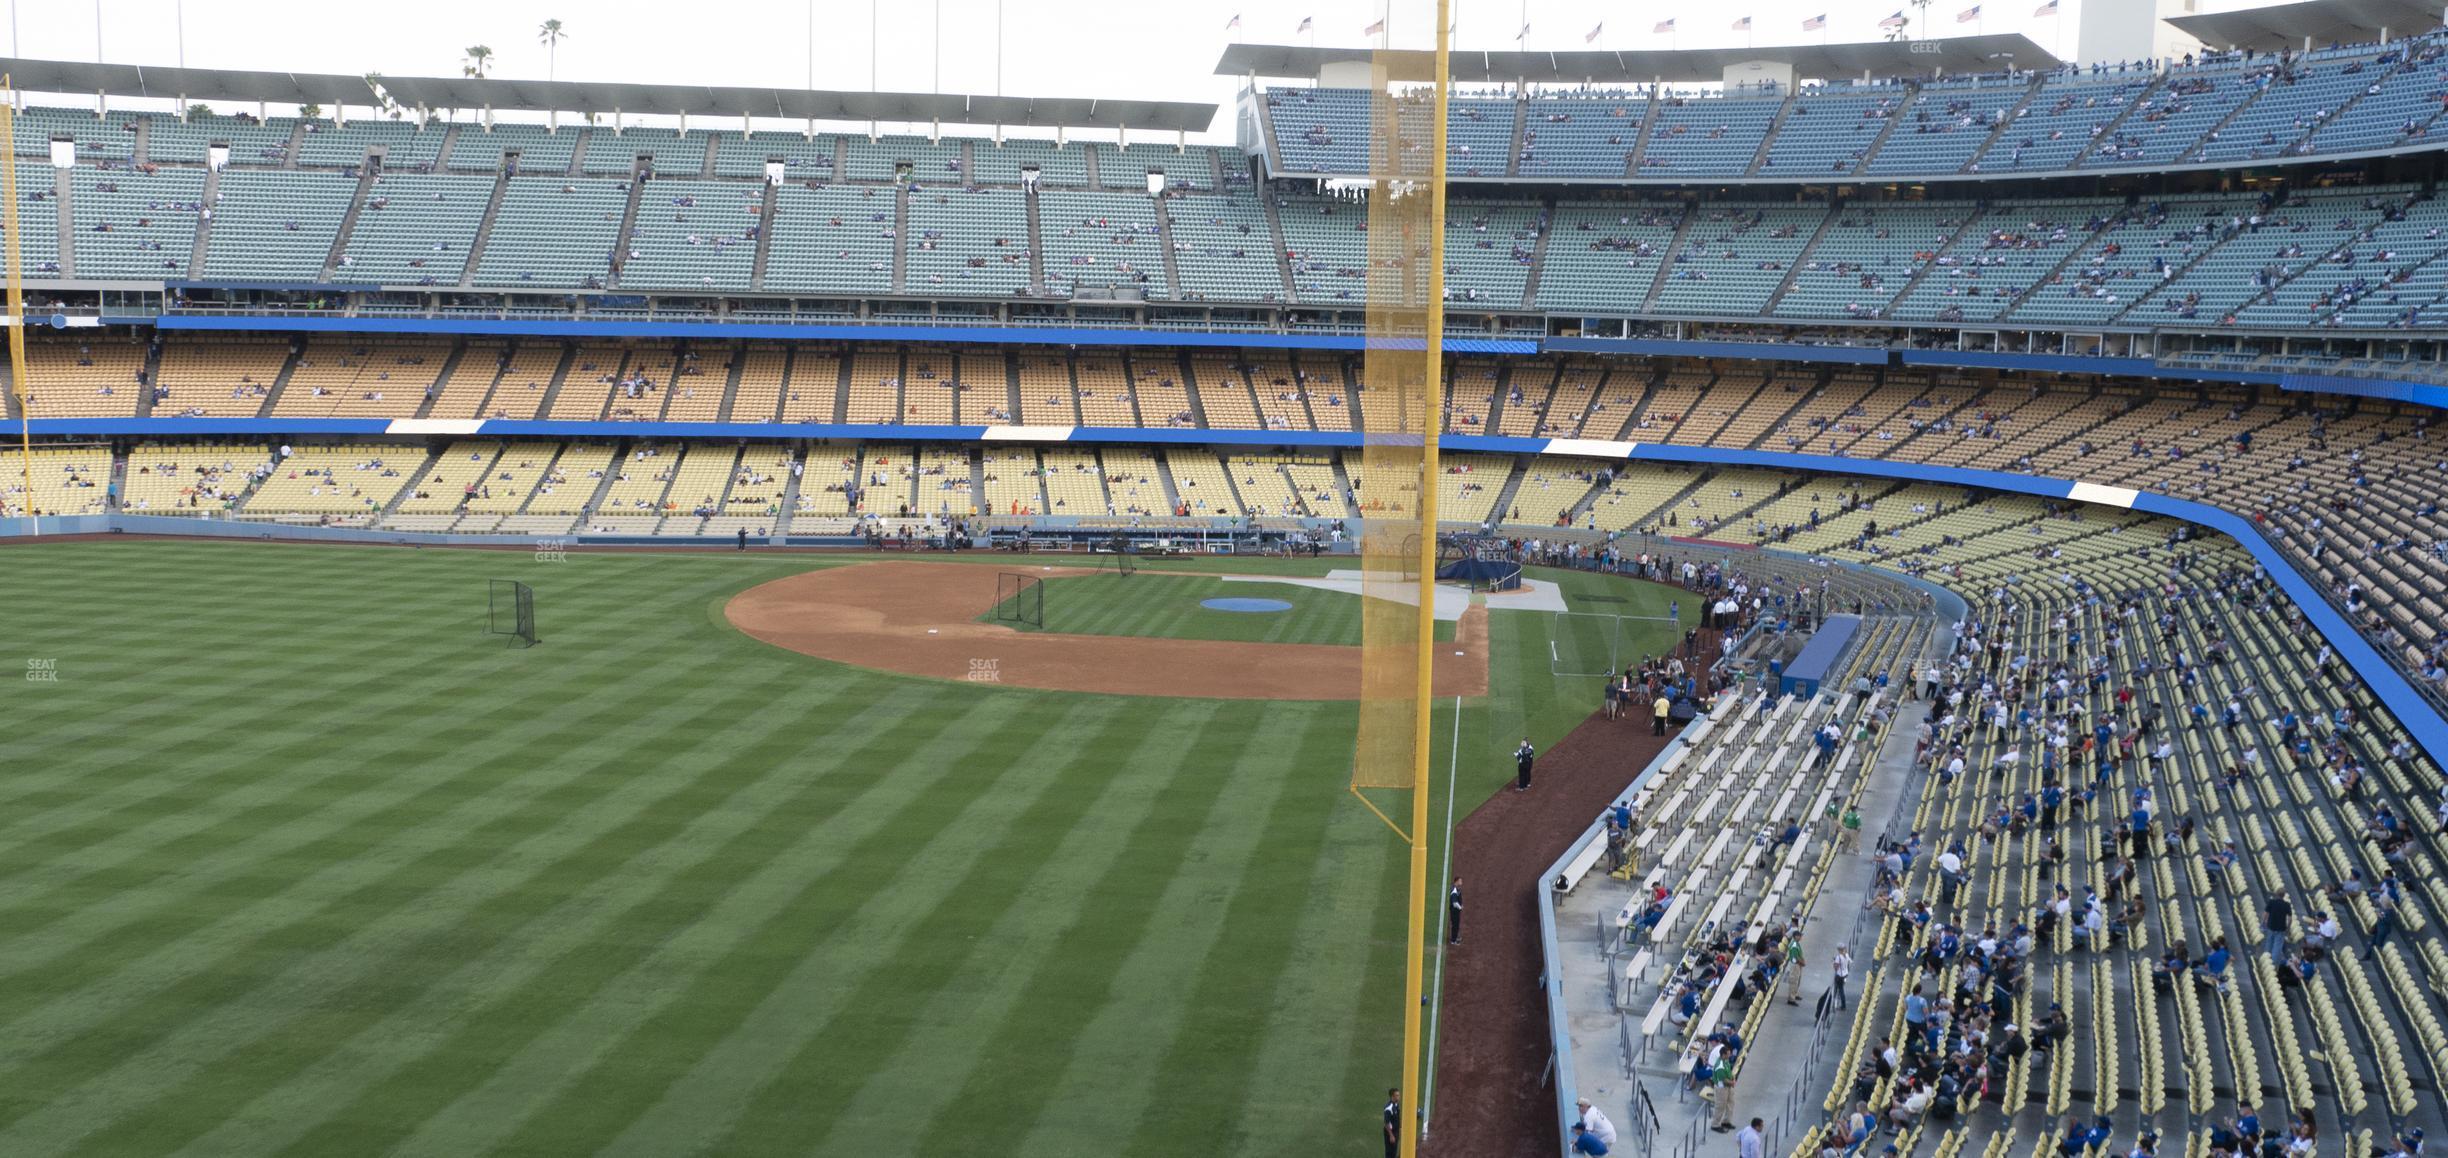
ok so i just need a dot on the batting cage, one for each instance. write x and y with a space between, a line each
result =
510 611
1019 600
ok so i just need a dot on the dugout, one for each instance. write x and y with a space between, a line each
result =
1803 676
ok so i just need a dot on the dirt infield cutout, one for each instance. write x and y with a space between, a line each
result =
921 619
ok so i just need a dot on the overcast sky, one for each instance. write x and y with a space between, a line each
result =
1142 49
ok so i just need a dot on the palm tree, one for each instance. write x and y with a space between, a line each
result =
479 58
551 35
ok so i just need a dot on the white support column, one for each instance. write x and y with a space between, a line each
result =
182 102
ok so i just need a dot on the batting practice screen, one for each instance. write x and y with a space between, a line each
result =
1019 600
510 611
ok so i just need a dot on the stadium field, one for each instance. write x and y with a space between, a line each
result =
295 860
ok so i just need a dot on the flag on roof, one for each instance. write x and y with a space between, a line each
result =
1664 26
1968 15
1743 25
1373 29
1523 34
1592 38
1233 23
1815 24
2048 9
1305 23
1895 21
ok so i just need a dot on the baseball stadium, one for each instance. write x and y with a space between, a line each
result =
1878 564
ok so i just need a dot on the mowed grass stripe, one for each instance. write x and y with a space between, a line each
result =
1204 1077
801 1097
393 824
1108 1079
470 1013
270 688
756 875
1027 982
377 806
171 831
1346 954
76 782
772 984
192 1013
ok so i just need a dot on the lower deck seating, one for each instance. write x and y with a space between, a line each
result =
203 478
349 483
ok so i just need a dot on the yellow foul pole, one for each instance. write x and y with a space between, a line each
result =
1415 953
16 290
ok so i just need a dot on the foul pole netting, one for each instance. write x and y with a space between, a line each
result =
1400 409
16 299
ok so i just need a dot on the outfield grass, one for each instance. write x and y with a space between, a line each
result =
1167 606
294 860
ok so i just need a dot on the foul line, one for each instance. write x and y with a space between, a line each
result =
1445 873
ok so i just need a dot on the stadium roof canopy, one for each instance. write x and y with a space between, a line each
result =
1878 58
2324 22
200 84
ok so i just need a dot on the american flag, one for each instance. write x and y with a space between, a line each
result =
1895 21
1233 23
1743 25
1592 38
1968 15
2048 9
1815 24
1373 29
1524 34
1664 26
1306 22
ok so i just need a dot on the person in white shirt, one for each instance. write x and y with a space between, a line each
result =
1595 1121
1844 968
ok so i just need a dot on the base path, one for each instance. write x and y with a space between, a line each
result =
921 619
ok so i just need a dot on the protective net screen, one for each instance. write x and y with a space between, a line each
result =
1400 404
